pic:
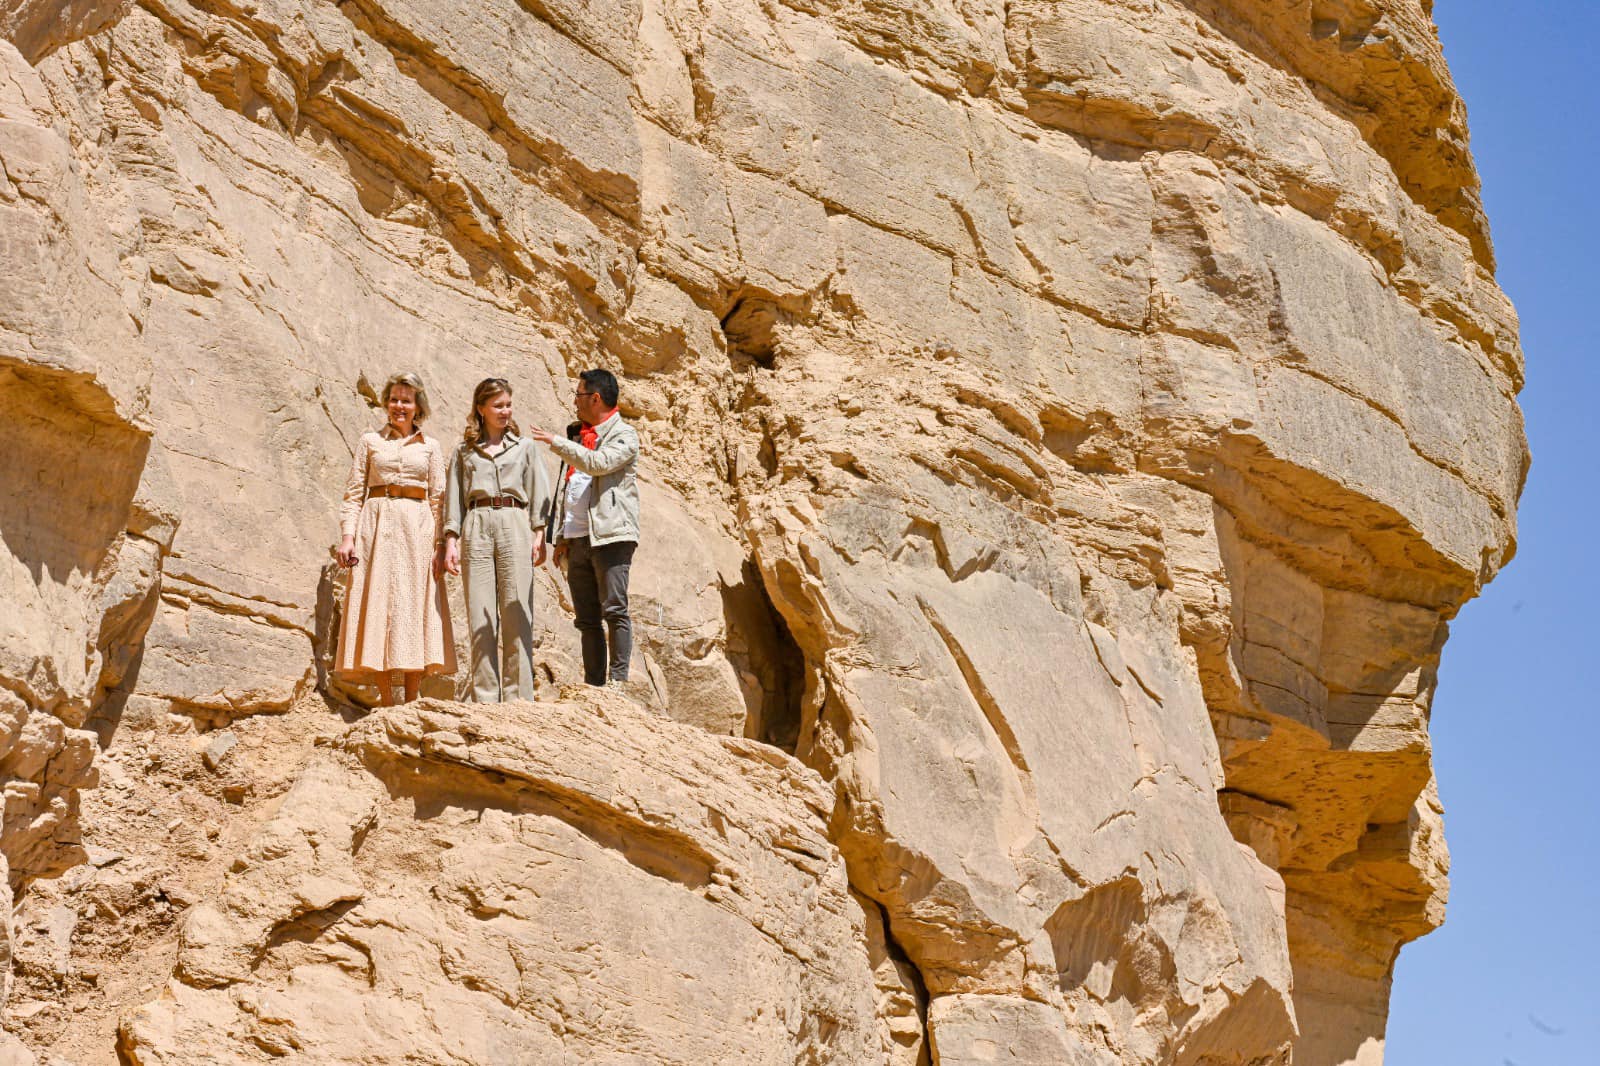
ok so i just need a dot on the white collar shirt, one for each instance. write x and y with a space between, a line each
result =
575 515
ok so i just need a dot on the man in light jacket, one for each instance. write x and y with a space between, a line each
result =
596 523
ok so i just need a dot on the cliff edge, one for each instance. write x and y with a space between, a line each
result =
1069 428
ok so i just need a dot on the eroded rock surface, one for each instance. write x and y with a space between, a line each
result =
568 882
1069 429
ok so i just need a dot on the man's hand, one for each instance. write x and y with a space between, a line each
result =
561 552
543 436
538 549
452 553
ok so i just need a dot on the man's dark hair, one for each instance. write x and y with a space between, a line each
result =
603 382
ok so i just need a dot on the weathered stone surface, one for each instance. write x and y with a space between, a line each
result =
1069 428
571 881
974 1029
79 549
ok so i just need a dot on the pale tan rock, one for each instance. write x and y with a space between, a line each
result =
1068 428
569 879
78 580
298 865
902 1001
980 1029
15 1052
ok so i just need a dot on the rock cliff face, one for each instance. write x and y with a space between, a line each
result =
1069 429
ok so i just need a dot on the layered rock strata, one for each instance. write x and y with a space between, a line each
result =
571 882
1069 429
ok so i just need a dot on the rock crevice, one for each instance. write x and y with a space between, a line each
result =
1069 429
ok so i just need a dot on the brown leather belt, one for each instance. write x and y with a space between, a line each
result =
495 501
401 492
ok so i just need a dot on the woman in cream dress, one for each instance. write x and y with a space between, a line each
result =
395 619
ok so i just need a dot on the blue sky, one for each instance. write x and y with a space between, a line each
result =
1511 977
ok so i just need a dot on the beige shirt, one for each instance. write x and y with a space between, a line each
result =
516 470
382 458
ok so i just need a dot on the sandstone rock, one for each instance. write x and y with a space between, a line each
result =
902 1002
1069 428
515 870
974 1029
75 445
218 749
15 1051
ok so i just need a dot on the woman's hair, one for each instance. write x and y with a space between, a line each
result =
414 383
487 390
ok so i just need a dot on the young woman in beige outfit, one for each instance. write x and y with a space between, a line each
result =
395 619
496 506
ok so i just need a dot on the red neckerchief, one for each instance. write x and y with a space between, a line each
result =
589 437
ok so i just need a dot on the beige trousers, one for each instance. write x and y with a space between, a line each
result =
497 572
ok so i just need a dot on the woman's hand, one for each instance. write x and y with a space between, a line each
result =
347 552
451 553
538 549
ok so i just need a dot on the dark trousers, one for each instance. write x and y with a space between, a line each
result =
598 578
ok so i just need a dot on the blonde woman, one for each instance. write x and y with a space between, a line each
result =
395 617
497 502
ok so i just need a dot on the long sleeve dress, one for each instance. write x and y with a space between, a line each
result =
396 617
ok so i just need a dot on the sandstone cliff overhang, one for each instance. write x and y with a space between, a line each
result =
1069 428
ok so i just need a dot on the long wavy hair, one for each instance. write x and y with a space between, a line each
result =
487 390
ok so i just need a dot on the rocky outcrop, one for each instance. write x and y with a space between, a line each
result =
1069 427
81 531
550 882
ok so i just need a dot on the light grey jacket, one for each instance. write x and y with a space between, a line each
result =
614 493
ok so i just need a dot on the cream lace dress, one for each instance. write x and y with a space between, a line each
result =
395 616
